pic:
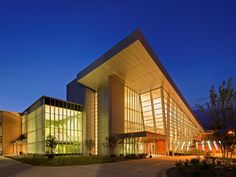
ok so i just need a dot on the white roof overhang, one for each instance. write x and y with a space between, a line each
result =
133 61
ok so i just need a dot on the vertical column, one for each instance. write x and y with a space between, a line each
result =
167 142
43 127
142 117
96 123
90 115
168 123
103 119
116 94
153 112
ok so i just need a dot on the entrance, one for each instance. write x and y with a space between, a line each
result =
144 142
150 148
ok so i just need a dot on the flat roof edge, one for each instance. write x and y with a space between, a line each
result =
40 101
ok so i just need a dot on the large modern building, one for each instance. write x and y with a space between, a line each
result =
125 93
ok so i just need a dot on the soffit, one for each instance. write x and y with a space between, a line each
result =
138 70
133 65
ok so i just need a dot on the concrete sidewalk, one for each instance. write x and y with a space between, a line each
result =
154 167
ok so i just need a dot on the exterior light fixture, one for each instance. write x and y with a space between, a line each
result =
231 132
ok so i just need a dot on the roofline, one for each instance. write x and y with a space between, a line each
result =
134 36
43 97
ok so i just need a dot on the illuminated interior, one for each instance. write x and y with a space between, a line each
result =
156 111
126 92
146 108
53 117
32 127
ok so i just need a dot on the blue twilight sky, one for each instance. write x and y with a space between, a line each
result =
44 44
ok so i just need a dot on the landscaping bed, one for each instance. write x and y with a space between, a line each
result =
66 160
200 168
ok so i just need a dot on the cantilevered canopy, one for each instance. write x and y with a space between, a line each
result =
133 65
146 134
134 62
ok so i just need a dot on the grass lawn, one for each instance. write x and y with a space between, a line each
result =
66 160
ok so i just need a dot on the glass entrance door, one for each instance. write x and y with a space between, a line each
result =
150 148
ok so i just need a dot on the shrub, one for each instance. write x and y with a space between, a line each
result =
218 162
179 164
204 164
195 162
234 161
112 155
186 163
130 156
213 160
141 156
133 156
127 156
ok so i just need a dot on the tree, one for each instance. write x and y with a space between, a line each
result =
89 143
111 143
51 144
222 109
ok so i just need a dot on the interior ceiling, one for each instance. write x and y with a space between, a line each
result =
139 72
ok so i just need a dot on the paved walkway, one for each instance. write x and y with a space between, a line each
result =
154 167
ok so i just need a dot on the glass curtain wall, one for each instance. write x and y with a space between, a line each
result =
53 117
32 126
133 116
152 111
133 122
65 123
156 111
181 131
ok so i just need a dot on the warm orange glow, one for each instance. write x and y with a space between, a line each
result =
230 132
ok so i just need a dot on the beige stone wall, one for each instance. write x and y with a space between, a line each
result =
116 105
11 131
103 119
90 116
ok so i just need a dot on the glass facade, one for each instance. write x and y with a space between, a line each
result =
181 130
133 118
151 119
50 116
32 127
157 112
152 111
